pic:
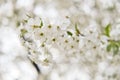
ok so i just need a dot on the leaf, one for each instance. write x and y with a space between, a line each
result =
107 30
113 46
115 49
77 30
118 43
109 47
69 33
41 23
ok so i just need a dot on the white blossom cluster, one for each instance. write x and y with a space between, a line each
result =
72 43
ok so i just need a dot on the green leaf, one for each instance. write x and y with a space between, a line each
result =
118 43
107 30
115 49
41 23
77 30
113 46
109 47
69 33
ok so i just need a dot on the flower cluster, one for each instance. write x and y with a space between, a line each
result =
51 44
37 35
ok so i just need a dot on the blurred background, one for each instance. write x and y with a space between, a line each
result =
14 61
